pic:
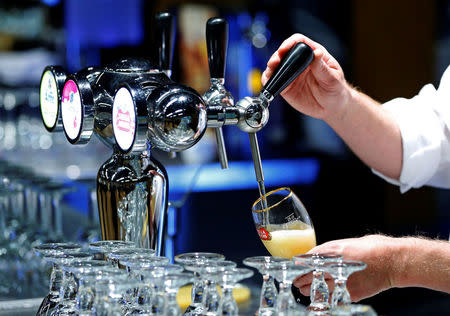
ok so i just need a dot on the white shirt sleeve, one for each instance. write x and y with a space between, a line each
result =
424 123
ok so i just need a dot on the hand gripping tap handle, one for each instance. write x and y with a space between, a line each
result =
165 24
291 66
216 42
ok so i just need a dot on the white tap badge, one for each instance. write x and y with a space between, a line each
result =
49 99
71 110
124 119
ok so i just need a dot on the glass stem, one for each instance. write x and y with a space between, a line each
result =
319 289
211 297
268 292
172 308
340 295
197 290
228 303
285 301
55 283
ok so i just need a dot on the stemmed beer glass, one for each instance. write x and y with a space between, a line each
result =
283 224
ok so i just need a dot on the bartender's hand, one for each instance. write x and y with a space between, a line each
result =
321 90
375 250
391 262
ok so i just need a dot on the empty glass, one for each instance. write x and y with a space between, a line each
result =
228 280
66 289
268 290
340 271
151 298
139 299
208 271
47 251
172 283
109 292
197 287
69 287
285 273
319 289
283 226
85 278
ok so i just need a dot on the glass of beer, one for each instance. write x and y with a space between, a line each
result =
283 224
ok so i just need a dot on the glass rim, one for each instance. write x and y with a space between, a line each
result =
346 263
191 256
318 255
276 204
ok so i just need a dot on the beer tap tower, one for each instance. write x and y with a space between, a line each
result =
133 106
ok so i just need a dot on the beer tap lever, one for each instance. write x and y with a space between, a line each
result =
291 66
217 97
217 42
254 110
165 25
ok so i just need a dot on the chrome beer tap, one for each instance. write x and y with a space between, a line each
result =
178 116
113 103
133 106
250 114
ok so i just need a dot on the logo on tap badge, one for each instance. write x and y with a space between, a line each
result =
124 119
264 234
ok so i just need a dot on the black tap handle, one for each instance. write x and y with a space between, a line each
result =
165 25
216 42
293 64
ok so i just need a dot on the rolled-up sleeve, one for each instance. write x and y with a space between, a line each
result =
424 125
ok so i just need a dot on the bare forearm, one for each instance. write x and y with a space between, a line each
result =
370 132
422 263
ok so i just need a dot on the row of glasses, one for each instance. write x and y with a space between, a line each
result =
210 271
286 271
159 282
100 282
155 280
30 214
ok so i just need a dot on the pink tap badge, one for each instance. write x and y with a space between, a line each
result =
124 119
71 109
